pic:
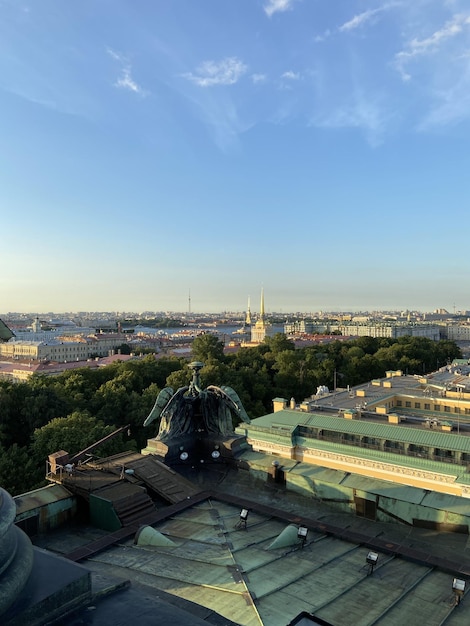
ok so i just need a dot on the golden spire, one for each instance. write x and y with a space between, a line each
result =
248 314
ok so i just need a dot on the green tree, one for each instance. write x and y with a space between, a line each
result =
291 374
180 378
18 472
279 343
207 348
73 434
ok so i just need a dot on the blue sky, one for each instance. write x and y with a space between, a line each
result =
316 148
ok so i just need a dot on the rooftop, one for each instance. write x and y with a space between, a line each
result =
222 573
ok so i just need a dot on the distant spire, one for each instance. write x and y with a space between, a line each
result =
261 309
189 302
248 314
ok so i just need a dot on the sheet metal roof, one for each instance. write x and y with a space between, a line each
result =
402 434
40 497
446 502
317 473
228 569
5 332
413 495
438 467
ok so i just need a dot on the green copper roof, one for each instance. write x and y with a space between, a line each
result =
285 421
5 332
439 467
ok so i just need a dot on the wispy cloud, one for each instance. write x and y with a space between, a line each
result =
277 6
116 55
326 33
290 75
449 93
258 78
210 73
363 113
366 16
450 107
431 44
359 19
125 80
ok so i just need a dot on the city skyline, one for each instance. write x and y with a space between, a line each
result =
57 316
316 150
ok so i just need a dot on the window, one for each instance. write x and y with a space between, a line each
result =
447 409
399 403
427 407
408 404
443 454
370 442
417 405
393 445
418 451
437 407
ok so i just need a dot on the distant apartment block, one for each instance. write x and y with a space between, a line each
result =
393 331
458 332
62 351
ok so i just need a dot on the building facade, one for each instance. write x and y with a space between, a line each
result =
63 349
408 430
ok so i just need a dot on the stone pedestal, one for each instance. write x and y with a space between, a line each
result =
36 586
193 450
16 554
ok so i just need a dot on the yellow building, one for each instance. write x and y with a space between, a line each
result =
409 430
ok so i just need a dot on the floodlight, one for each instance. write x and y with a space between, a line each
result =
371 560
215 454
302 532
243 518
244 514
184 456
458 585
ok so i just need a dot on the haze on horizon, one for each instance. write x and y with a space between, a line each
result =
318 150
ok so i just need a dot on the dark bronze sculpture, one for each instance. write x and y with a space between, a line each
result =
194 410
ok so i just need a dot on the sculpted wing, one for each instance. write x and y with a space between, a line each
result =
231 398
162 400
175 417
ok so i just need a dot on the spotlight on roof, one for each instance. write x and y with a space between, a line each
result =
184 456
302 533
215 454
371 560
243 519
458 585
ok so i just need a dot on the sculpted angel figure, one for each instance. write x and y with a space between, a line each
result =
192 409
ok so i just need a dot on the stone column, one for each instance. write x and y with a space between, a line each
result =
16 554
